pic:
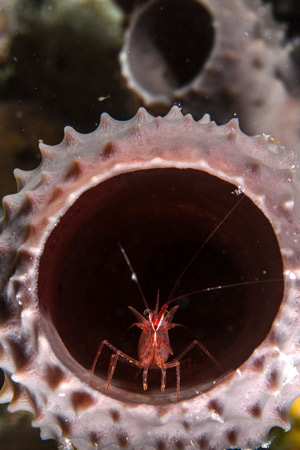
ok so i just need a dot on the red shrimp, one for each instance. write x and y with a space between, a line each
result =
154 346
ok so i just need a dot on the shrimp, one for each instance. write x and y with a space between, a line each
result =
154 347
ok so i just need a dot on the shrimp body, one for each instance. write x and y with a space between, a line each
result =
154 345
154 348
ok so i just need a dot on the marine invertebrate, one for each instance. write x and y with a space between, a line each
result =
213 61
154 346
158 185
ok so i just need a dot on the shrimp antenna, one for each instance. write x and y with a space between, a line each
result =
224 286
133 275
202 246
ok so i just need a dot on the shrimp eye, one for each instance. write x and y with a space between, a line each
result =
146 313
